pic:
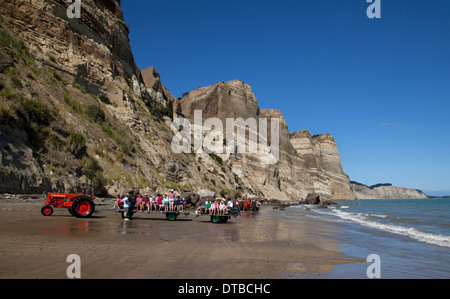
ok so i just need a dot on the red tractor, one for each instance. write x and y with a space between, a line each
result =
78 205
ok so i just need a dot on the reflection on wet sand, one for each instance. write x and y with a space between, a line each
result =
66 227
277 247
255 245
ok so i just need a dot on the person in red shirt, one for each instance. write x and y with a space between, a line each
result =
159 202
145 203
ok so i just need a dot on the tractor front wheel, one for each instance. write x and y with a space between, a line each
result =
83 207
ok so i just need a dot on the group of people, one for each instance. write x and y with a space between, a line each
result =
158 203
216 207
171 202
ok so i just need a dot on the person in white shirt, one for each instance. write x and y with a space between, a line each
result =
152 203
229 205
222 208
126 206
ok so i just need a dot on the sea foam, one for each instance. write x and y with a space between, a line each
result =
365 220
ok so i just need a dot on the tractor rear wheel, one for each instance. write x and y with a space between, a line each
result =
47 211
83 207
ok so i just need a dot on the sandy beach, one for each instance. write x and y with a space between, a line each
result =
255 245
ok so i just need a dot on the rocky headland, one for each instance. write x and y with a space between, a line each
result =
385 191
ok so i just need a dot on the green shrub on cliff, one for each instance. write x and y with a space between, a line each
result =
95 113
77 144
38 111
94 172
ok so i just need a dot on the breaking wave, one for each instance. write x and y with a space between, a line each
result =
370 220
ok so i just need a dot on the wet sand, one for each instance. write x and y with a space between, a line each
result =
253 246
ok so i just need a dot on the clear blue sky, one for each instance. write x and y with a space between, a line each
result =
380 86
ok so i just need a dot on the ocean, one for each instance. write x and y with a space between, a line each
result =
411 237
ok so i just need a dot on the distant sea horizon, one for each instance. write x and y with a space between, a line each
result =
443 194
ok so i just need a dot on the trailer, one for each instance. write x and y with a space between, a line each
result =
222 218
173 215
170 215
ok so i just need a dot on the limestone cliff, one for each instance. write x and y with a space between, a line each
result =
222 100
77 115
235 100
305 165
323 161
93 51
157 90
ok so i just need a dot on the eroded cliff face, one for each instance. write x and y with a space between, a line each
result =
323 161
223 100
157 90
77 115
93 51
304 165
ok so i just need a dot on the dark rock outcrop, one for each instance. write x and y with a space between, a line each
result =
311 199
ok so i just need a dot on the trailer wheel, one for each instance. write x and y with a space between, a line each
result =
218 219
171 216
47 211
83 207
